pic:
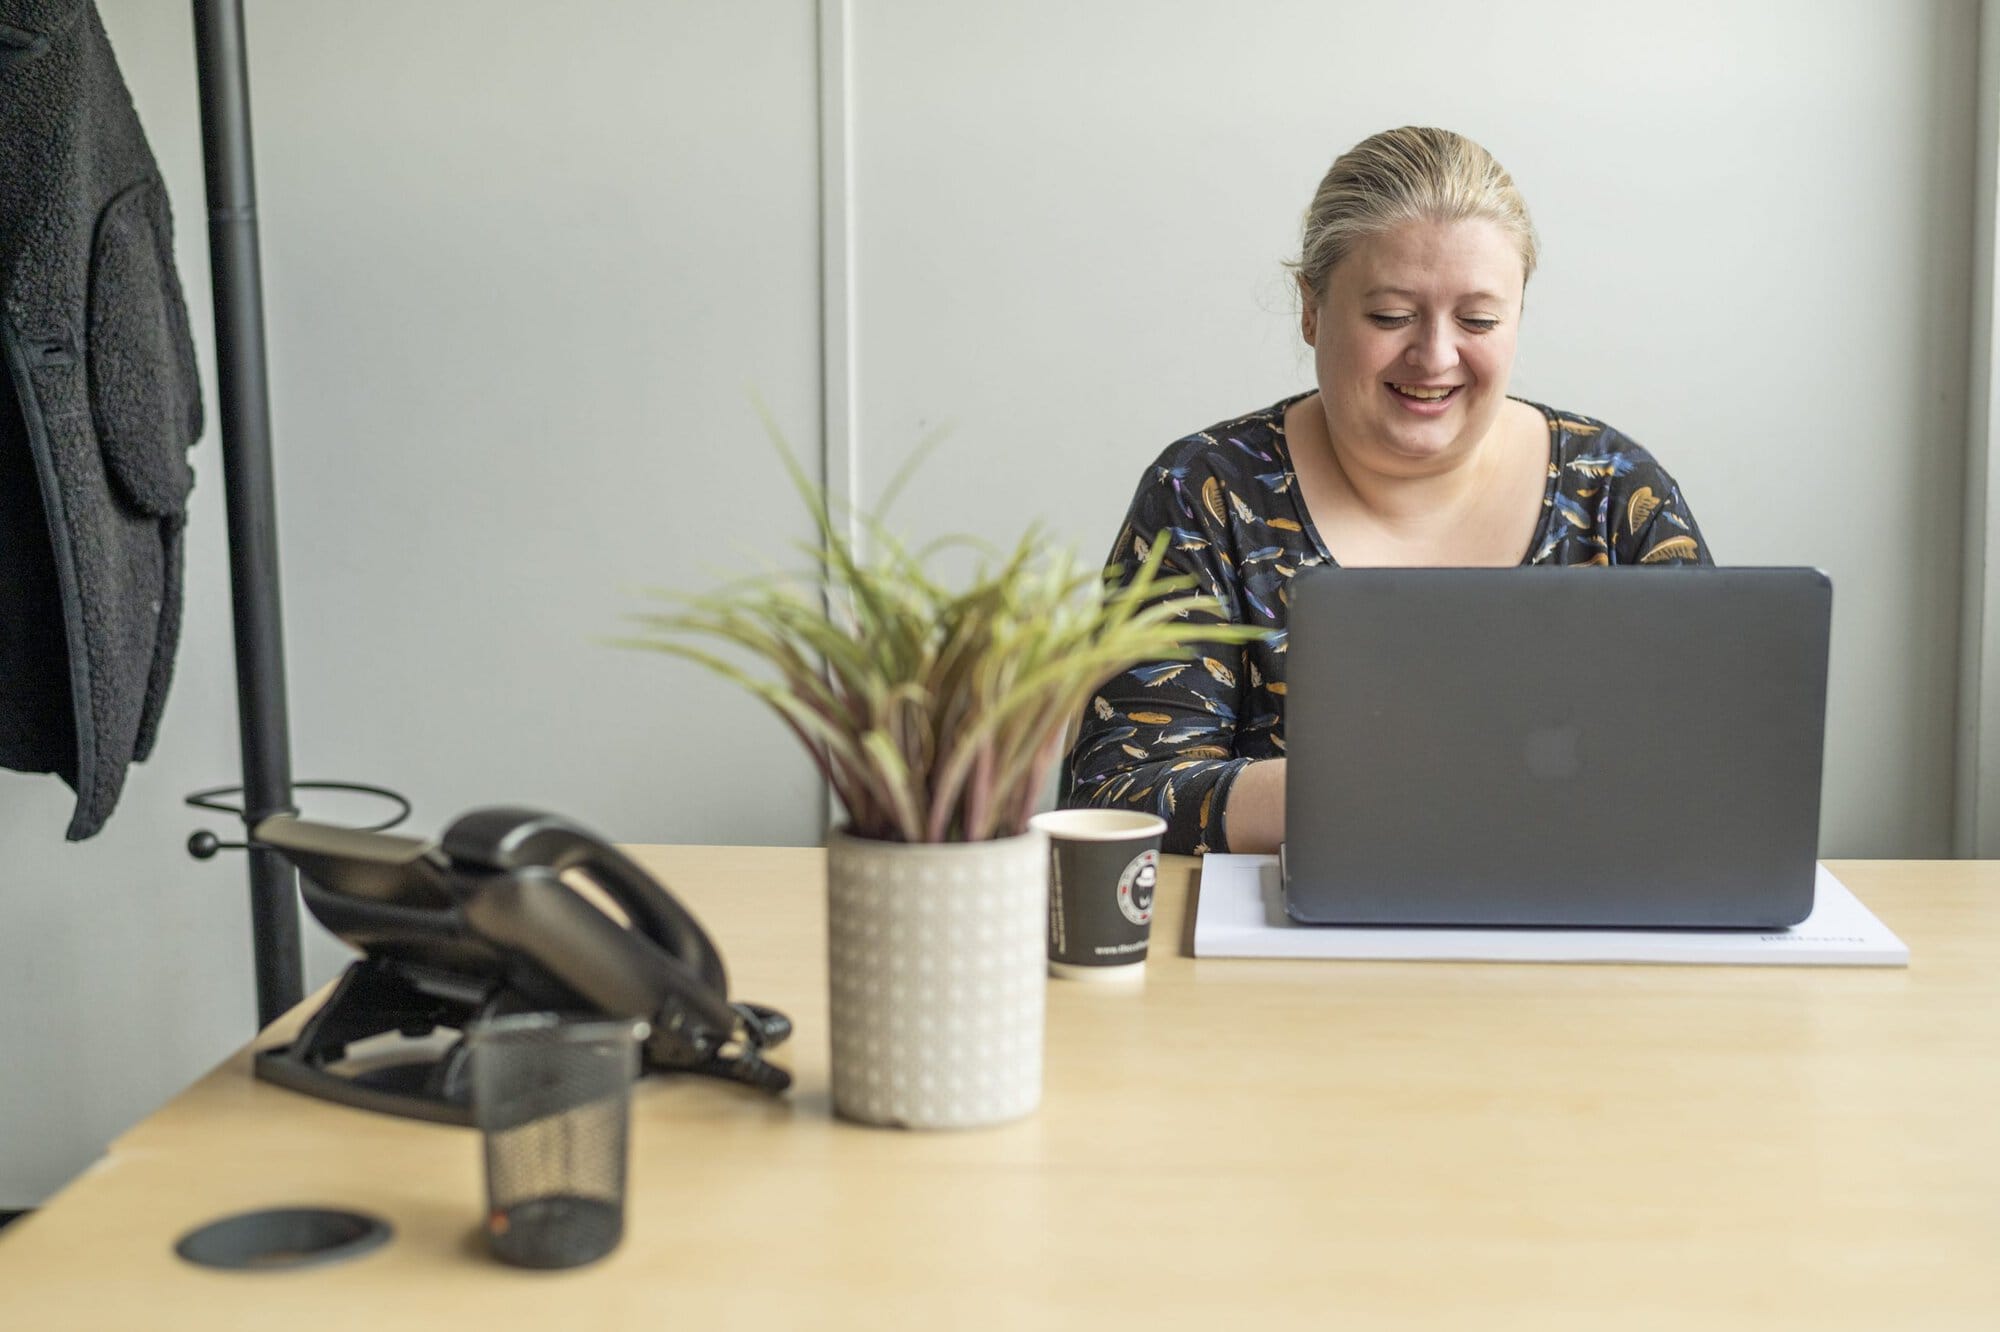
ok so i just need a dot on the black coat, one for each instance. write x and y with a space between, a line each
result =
99 404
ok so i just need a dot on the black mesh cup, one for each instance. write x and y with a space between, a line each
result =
553 1102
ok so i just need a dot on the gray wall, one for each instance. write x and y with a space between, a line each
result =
1756 226
523 276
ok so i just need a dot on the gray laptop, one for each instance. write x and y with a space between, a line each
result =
1618 747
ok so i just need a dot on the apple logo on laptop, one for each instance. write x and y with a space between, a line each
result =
1554 753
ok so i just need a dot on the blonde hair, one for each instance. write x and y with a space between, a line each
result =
1413 174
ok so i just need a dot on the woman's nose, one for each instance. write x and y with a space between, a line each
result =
1432 350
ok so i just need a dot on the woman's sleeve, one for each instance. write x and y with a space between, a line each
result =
1161 736
1660 526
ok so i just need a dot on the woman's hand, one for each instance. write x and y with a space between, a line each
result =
1255 813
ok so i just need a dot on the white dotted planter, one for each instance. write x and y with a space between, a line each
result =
936 966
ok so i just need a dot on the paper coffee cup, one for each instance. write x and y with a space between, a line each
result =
1103 867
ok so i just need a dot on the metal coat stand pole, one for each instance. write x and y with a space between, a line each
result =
247 479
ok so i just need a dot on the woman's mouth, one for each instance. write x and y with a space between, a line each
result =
1425 399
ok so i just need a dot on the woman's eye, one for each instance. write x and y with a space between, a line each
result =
1481 325
1390 320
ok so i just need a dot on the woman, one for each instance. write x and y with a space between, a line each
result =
1417 252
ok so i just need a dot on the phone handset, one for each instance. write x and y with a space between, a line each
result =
507 868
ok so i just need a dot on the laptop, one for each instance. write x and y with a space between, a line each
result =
1607 748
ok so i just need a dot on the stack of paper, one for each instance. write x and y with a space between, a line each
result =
1241 913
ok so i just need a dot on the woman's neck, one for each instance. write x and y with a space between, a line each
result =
1414 505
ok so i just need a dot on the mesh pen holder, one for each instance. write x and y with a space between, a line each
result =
552 1098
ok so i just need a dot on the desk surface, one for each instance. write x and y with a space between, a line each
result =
1236 1144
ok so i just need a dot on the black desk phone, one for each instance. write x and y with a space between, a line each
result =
485 922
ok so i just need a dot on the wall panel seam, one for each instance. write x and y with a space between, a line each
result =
1976 820
839 461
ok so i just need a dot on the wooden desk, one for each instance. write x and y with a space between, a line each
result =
1236 1145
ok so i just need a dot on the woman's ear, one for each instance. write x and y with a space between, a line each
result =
1308 311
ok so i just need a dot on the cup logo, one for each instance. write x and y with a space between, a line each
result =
1135 887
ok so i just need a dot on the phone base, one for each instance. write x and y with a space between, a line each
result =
413 1067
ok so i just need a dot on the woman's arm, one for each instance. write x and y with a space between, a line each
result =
1254 819
1161 737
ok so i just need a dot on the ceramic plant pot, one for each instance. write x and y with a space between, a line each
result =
935 964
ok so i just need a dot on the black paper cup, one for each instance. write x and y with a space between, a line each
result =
1103 864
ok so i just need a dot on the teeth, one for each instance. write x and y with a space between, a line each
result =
1423 394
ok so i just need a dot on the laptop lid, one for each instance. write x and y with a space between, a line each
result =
1532 746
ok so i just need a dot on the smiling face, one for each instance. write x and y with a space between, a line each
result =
1414 344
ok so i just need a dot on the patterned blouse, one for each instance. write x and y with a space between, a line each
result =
1171 737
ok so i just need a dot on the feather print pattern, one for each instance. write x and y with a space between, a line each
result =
1169 737
1211 500
1640 508
1572 513
1674 550
1159 673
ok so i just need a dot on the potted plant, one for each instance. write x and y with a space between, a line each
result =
937 716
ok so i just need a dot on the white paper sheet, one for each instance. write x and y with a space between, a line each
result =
1240 913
